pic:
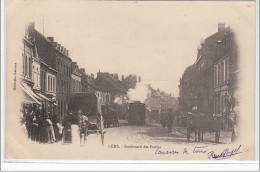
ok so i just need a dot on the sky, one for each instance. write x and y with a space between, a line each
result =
155 40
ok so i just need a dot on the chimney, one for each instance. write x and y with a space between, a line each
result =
123 78
31 25
51 39
55 44
221 26
67 52
59 47
116 76
82 70
99 74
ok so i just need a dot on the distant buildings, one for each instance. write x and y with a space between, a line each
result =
209 82
76 85
107 87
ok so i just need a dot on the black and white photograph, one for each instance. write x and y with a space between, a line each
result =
130 80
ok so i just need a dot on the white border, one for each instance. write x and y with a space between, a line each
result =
257 121
49 165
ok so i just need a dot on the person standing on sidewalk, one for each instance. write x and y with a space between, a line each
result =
170 119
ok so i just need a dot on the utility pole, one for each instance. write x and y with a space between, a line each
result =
43 24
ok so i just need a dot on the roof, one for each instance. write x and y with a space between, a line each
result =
34 33
189 71
209 52
218 36
107 83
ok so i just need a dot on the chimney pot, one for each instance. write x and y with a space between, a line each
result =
59 46
31 25
51 39
221 26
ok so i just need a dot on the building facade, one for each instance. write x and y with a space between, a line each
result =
76 85
207 83
58 59
30 78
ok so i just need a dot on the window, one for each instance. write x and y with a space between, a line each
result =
216 75
219 73
54 84
49 83
226 69
223 71
35 78
25 66
30 67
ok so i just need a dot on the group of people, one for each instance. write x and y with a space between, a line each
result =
45 127
38 125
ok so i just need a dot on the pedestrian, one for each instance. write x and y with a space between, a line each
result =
75 127
234 117
83 128
66 131
55 127
49 130
28 122
34 127
170 119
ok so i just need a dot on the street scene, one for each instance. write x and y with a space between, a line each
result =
63 104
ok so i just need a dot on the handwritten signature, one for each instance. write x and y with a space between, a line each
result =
158 151
226 153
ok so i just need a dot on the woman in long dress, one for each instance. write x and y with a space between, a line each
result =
75 136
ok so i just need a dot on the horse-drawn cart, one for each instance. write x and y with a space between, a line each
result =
200 124
91 108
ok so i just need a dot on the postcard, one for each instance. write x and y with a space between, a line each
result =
130 80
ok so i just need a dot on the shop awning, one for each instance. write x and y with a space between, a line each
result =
31 91
28 97
43 97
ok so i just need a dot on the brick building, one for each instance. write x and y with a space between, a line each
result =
76 85
48 87
28 79
213 77
58 59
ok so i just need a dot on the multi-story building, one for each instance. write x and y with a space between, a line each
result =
48 87
87 81
226 70
84 80
213 77
58 59
30 79
76 85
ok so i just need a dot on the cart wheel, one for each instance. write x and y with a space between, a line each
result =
102 137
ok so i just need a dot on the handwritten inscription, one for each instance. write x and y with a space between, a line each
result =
226 153
166 152
203 150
